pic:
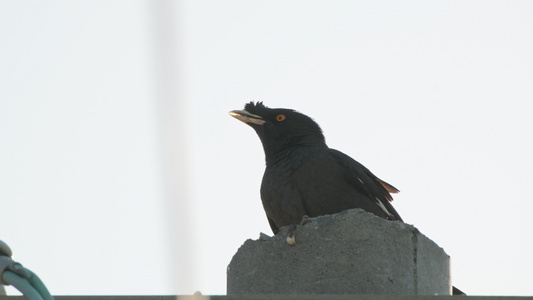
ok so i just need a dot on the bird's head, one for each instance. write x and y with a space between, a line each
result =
280 128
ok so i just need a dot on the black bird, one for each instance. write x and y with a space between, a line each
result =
303 176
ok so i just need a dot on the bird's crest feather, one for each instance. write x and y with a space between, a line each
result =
255 108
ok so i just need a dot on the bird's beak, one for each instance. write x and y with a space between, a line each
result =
247 117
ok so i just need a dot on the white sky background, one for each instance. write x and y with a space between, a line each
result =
434 97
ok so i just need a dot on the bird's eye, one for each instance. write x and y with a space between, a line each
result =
280 118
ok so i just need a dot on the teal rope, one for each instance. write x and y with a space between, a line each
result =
37 284
32 289
21 284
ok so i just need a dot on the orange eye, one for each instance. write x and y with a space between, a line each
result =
280 118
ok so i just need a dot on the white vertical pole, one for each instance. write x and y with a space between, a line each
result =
174 136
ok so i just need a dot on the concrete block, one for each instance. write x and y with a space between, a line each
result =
352 252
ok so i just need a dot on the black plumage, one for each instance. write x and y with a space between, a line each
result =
303 176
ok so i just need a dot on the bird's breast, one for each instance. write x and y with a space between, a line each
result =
281 196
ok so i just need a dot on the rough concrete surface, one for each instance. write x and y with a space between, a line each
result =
352 252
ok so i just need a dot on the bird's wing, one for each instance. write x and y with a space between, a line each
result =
363 180
388 187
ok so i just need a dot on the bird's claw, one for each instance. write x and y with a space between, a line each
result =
291 235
